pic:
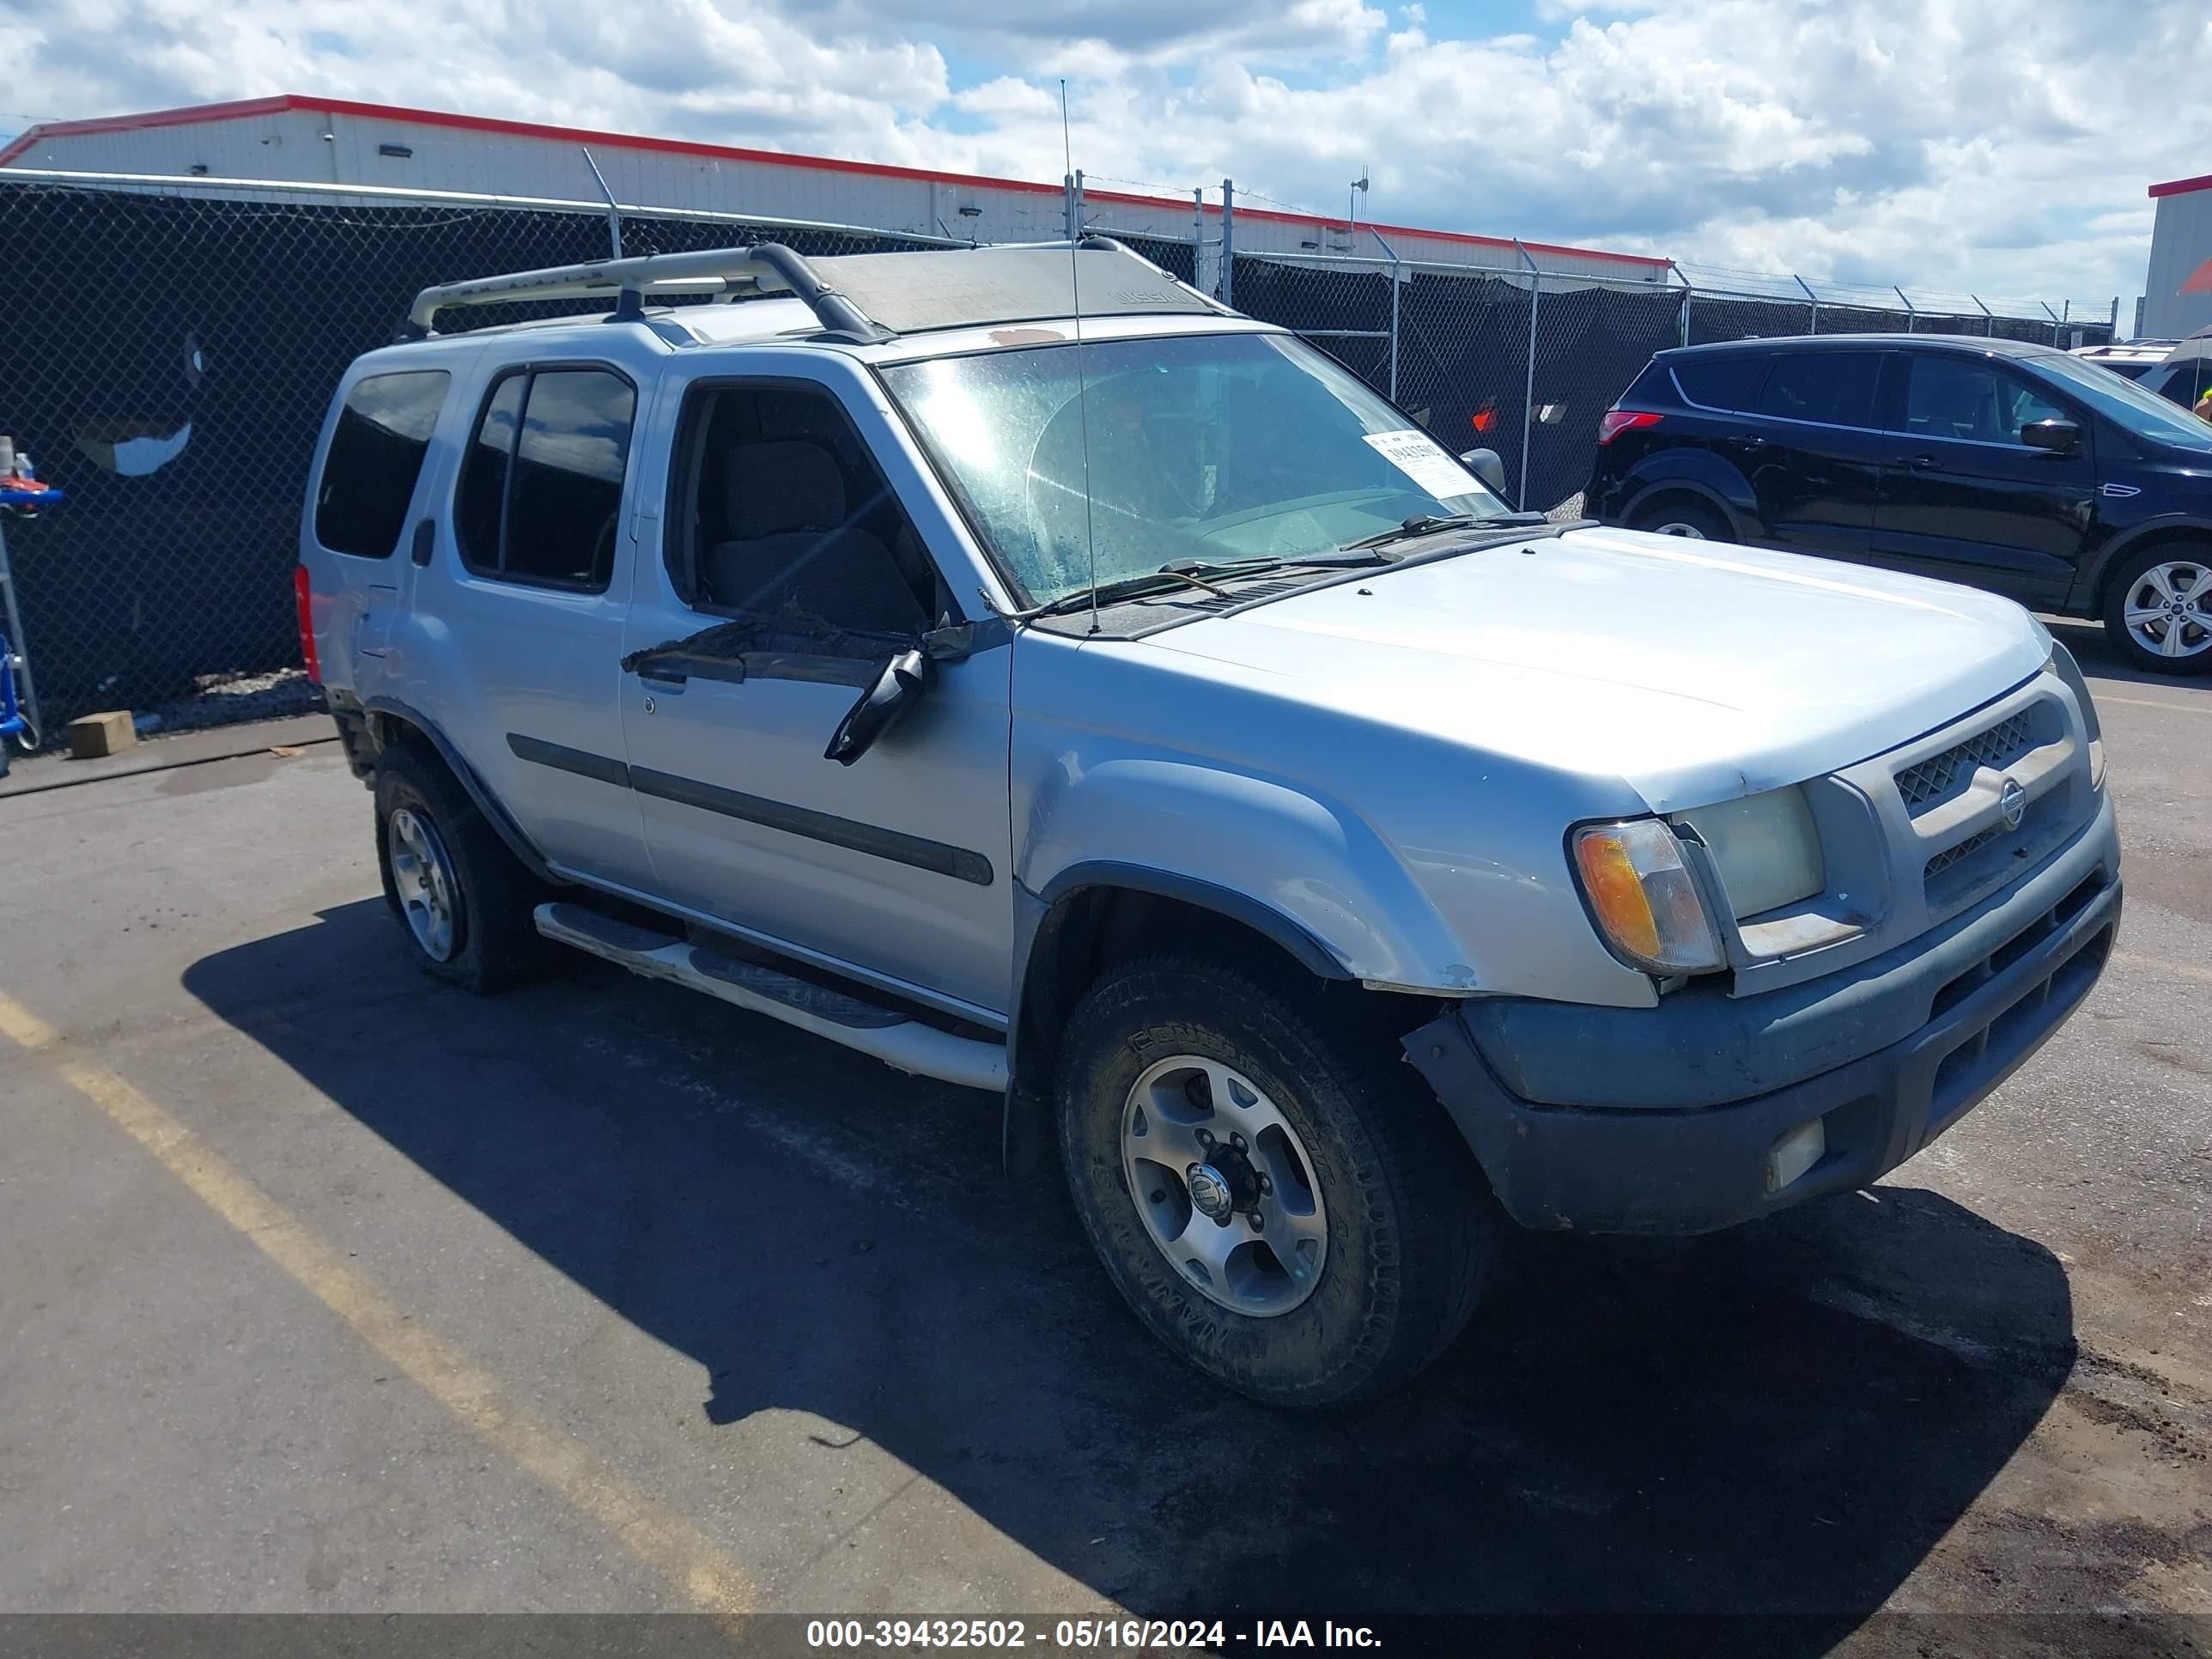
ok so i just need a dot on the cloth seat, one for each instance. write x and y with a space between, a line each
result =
788 544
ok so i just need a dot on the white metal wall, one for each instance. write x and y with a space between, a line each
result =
292 144
2180 241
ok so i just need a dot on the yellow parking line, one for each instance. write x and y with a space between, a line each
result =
2185 970
2144 702
707 1577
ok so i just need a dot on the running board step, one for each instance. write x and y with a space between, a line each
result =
899 1040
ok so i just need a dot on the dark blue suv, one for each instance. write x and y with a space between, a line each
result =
2006 466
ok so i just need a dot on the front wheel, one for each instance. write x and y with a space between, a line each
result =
2159 610
1279 1201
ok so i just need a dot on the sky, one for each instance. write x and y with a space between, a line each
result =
2001 147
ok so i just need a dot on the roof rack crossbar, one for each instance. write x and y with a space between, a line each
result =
763 268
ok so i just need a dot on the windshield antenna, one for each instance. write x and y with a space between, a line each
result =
1082 401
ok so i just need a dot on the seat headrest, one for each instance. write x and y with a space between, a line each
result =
772 488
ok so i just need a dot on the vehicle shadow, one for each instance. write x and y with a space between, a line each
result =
1778 1421
2094 649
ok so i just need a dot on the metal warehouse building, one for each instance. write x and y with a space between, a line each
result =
2178 289
326 143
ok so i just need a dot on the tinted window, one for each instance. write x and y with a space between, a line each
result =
784 517
1963 397
483 496
541 491
1727 379
375 456
1835 388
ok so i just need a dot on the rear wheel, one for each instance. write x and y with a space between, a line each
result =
2159 610
1682 515
465 899
1279 1202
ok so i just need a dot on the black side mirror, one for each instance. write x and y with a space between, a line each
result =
2058 437
1488 465
898 686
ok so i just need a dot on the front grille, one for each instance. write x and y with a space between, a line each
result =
1950 856
1940 776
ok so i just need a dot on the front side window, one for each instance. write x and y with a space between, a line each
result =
1832 388
783 517
1972 399
1119 457
375 457
2138 412
540 494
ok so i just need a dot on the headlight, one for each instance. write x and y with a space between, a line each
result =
2069 671
1643 898
1765 846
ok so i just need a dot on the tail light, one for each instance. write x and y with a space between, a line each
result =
303 600
1614 422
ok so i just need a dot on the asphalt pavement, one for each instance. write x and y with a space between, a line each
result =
327 1289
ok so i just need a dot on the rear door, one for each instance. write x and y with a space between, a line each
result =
1814 451
1963 500
513 642
800 529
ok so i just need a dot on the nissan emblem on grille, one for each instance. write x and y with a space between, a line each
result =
2012 801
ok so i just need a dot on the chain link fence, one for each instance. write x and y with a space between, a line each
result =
172 351
168 363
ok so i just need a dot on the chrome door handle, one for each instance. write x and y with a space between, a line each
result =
1924 462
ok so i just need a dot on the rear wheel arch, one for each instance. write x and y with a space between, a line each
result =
1657 496
391 723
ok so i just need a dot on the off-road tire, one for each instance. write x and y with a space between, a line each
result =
496 945
1413 1231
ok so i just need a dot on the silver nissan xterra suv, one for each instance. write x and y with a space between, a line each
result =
1015 665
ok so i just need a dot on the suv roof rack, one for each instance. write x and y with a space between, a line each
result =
763 268
932 287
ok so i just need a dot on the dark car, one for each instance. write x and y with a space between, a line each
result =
2007 466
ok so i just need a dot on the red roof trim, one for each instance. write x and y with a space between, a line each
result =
198 113
2183 187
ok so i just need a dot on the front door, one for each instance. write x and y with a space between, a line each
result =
785 536
1964 499
1815 453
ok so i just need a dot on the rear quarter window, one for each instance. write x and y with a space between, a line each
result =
1830 388
1728 381
375 457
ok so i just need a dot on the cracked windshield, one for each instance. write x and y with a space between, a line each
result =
1206 449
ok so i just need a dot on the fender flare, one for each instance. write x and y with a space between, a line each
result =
495 814
2088 592
1025 1129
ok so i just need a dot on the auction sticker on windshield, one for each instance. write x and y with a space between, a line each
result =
1416 454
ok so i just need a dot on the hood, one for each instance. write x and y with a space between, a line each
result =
1696 671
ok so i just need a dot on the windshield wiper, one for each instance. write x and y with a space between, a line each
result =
1426 524
1196 573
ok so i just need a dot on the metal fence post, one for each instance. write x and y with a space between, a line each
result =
1068 214
1813 297
2053 315
1396 275
1528 387
1910 315
1989 318
1228 240
1683 318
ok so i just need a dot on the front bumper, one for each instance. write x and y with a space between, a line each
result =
1995 987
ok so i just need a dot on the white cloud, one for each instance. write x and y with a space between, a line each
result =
1998 144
